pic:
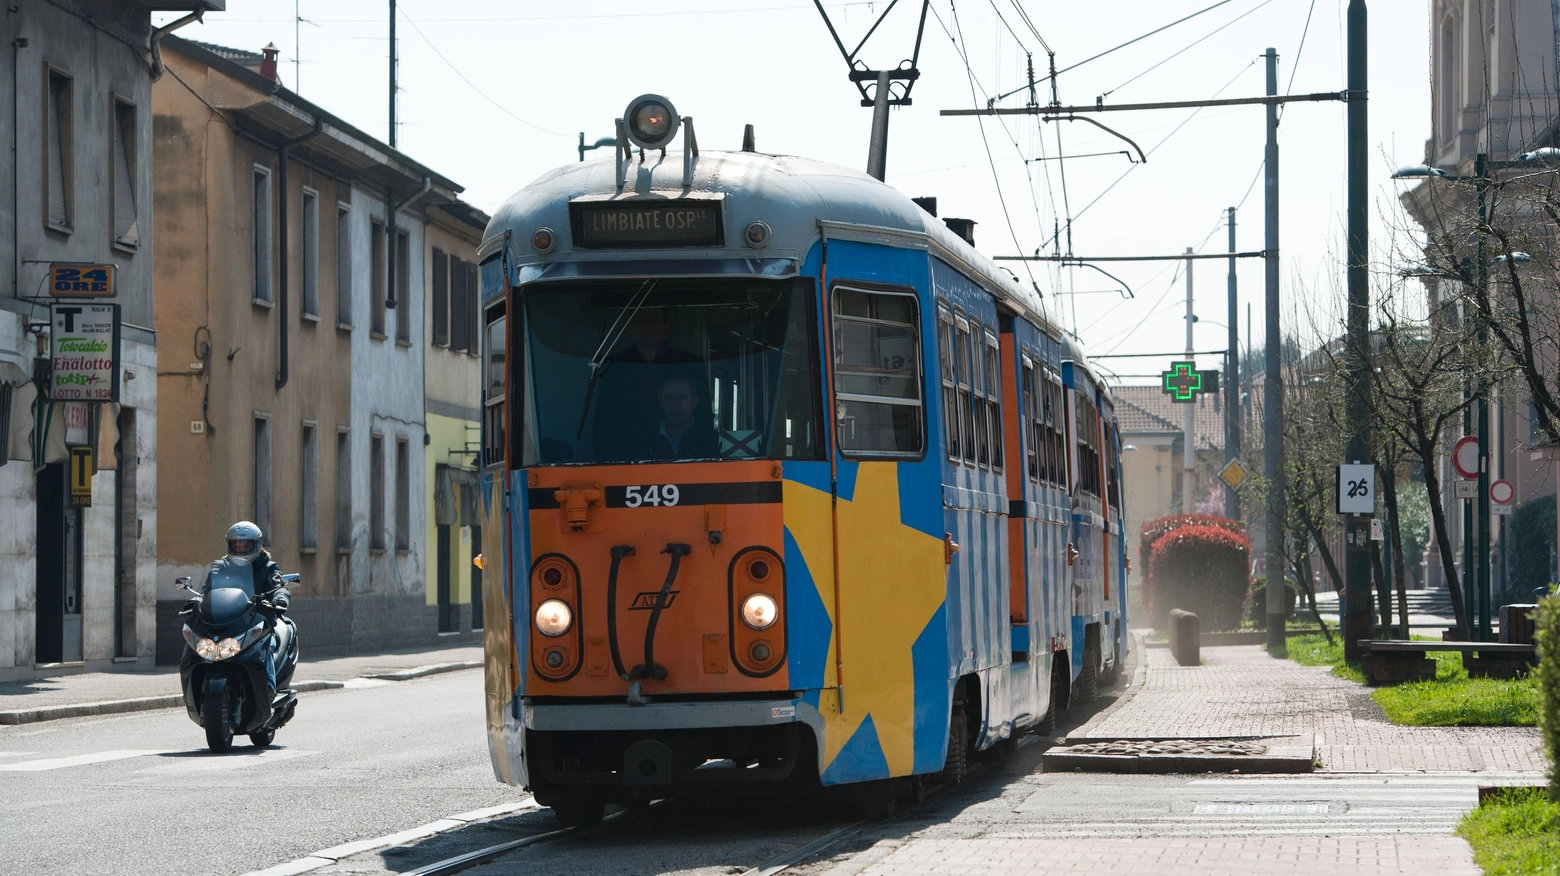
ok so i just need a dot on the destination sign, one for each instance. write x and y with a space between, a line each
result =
647 224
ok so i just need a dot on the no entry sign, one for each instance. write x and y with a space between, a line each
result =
1465 457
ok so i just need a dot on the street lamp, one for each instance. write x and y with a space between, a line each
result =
1418 171
1517 258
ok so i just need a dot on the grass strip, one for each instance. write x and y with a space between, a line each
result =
1515 833
1451 700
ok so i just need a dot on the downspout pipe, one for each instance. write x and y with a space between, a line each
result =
154 59
391 209
281 292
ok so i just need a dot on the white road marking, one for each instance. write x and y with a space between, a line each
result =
196 762
326 857
361 683
55 763
14 753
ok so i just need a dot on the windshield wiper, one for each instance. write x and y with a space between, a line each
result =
619 325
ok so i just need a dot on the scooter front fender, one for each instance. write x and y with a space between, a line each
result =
216 686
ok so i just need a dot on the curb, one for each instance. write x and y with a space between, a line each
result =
115 707
1175 763
422 671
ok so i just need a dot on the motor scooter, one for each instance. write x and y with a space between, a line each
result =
239 657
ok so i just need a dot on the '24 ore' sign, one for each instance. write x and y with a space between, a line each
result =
84 352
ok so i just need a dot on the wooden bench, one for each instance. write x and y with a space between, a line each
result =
1391 660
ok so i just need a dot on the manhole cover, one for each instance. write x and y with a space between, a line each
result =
1260 809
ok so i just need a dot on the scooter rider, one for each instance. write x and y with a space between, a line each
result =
244 544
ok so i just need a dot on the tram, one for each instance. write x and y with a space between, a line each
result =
792 483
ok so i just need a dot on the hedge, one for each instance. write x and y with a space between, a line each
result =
1548 674
1202 569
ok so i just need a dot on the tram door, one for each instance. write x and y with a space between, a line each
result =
1015 385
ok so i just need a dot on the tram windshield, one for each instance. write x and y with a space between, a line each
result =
671 369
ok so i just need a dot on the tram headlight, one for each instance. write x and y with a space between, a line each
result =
554 617
759 611
651 121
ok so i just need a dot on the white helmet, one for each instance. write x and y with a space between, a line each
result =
243 541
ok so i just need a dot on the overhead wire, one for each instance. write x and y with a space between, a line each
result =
1188 47
996 181
456 70
1143 37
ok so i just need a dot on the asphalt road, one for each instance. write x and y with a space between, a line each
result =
139 793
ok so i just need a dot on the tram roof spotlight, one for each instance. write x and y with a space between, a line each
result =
651 121
1417 171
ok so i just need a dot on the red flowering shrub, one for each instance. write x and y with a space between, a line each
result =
1153 529
1202 569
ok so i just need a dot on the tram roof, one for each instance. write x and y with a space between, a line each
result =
789 193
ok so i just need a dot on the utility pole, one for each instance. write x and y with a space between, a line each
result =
1273 386
1482 417
1232 382
1357 616
1189 436
392 74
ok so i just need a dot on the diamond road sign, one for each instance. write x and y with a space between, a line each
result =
1234 473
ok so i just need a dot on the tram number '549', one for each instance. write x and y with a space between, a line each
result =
655 494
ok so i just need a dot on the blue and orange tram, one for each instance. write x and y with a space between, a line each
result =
792 483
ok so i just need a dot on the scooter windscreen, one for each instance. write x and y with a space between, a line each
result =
230 589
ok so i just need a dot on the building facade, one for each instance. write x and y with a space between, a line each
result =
451 374
1493 88
293 293
78 513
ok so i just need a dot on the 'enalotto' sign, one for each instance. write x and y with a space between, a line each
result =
84 352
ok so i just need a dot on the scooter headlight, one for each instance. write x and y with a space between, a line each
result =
206 648
228 648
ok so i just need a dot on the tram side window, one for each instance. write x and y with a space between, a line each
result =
877 374
1032 423
950 392
1112 477
1056 439
1088 447
961 343
494 361
979 394
994 398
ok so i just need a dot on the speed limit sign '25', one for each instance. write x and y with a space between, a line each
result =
1357 489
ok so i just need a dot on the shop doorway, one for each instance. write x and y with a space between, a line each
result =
58 577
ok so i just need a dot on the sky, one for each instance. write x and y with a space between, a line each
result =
493 94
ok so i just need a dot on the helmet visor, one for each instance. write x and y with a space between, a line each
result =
239 547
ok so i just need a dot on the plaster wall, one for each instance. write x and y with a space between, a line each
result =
387 399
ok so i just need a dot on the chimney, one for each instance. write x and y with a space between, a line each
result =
927 204
965 228
268 63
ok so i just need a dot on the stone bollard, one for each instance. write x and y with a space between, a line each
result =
1185 637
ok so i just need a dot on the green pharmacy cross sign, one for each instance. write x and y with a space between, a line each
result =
1183 381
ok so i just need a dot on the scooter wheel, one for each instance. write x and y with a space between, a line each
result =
262 739
219 729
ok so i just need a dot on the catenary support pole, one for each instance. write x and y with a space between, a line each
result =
1273 385
1189 433
1481 416
1232 382
1357 618
392 74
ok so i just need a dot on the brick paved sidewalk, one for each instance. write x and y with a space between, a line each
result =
1380 856
104 687
1241 691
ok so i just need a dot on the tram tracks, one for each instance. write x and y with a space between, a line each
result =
772 866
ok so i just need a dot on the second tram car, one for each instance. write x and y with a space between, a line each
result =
791 482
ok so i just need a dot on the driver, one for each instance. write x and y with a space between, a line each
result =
244 543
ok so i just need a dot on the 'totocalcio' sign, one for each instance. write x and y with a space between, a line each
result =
84 352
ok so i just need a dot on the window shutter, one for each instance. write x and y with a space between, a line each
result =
473 308
58 106
459 324
441 298
125 228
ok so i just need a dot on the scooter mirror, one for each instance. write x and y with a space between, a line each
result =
184 582
293 578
